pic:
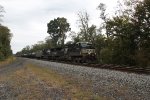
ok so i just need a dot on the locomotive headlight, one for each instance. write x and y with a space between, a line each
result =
91 51
48 51
84 51
88 51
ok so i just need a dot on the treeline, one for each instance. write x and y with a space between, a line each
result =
122 38
5 38
128 35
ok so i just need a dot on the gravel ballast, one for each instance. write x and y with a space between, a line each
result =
107 83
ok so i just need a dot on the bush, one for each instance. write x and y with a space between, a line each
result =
106 56
1 56
142 58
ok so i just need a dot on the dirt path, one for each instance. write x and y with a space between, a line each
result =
23 80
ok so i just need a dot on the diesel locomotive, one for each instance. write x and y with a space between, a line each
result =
77 52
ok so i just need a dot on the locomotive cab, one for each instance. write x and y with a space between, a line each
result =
87 51
82 51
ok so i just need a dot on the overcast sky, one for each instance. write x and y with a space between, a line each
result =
27 19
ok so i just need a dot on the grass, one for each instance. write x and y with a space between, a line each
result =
27 85
24 83
7 61
70 85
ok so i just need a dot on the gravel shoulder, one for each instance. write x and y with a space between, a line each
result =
24 80
106 83
44 80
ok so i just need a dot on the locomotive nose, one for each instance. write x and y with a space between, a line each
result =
89 51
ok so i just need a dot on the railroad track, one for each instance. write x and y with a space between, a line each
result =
131 69
123 68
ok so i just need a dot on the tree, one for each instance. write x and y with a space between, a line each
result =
83 25
87 32
38 46
102 8
48 42
99 44
141 20
1 11
75 37
103 16
129 30
57 29
117 30
26 50
92 33
121 29
5 38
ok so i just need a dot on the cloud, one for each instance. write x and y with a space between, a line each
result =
27 19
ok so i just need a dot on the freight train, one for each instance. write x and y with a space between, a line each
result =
76 52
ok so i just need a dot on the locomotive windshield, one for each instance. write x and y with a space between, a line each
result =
86 45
